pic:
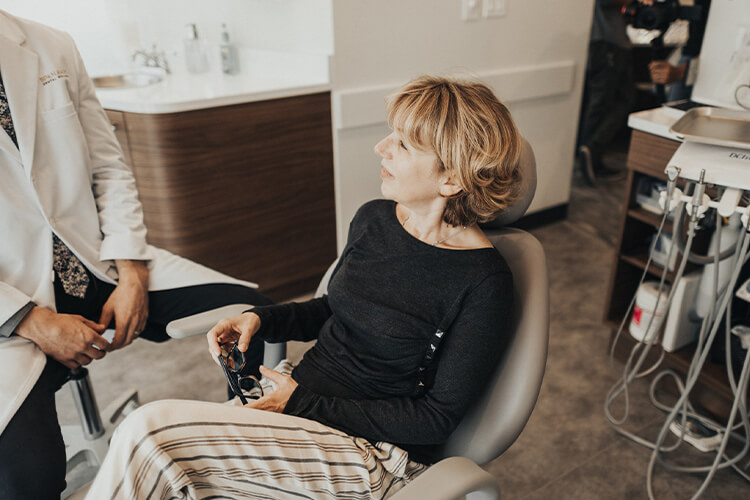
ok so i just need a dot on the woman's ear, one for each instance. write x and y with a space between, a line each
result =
449 188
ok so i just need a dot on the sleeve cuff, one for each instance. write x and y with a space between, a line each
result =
7 328
300 402
124 247
265 319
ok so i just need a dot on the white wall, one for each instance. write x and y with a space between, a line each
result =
534 58
725 56
108 31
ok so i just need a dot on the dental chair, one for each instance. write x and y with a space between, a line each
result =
501 414
498 418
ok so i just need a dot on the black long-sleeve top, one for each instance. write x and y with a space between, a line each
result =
387 297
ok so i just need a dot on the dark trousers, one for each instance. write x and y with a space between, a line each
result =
607 97
32 452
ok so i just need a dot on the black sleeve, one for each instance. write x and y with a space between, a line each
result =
467 357
293 321
300 320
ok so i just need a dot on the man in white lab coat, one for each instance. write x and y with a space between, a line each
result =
73 252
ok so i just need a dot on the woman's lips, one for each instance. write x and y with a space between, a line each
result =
384 174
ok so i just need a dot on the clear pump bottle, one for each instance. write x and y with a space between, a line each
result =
196 55
229 61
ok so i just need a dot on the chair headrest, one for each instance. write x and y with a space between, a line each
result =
527 164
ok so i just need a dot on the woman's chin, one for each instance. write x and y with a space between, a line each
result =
387 194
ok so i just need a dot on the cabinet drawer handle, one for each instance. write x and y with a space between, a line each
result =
114 127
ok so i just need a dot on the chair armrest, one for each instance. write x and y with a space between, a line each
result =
200 323
451 479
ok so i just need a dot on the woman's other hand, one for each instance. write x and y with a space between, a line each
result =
237 328
275 401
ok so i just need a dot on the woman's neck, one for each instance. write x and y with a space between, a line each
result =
427 224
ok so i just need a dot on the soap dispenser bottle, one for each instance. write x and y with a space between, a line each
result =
229 60
196 57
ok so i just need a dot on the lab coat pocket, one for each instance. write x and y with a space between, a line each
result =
55 114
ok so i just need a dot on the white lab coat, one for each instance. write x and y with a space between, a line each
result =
67 175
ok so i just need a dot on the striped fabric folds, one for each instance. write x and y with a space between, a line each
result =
189 450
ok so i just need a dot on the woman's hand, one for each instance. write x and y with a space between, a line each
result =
237 328
276 401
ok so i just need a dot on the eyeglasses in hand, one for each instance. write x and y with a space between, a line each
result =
232 361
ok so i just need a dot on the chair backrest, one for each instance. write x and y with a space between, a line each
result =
498 418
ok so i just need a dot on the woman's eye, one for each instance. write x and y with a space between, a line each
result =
401 143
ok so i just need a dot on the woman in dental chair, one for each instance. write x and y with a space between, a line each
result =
410 331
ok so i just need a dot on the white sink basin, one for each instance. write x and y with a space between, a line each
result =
141 78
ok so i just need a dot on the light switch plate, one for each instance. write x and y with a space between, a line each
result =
494 8
471 10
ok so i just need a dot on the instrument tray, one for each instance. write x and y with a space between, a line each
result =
721 127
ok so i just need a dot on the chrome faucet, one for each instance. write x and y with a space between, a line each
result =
152 58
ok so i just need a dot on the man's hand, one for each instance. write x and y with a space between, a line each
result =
237 328
128 303
68 338
277 400
663 73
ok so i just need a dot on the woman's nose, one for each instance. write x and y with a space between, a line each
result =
381 148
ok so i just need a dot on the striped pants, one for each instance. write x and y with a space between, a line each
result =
189 449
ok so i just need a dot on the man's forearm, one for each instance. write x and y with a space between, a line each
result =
132 270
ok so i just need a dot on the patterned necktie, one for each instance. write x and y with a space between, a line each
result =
5 120
73 277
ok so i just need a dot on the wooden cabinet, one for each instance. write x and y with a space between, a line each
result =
117 119
245 189
648 157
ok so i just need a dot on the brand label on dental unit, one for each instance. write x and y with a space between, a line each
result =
740 156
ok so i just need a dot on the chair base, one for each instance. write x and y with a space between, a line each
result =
85 456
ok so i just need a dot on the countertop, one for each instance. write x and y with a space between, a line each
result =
263 75
656 121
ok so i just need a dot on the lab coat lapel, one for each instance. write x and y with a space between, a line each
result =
20 70
7 47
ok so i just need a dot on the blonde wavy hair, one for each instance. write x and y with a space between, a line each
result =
474 137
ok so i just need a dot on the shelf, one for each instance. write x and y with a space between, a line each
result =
639 260
649 218
649 171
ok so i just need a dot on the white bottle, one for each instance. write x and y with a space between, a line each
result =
729 236
229 61
196 55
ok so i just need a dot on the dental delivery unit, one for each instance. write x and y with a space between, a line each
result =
708 178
